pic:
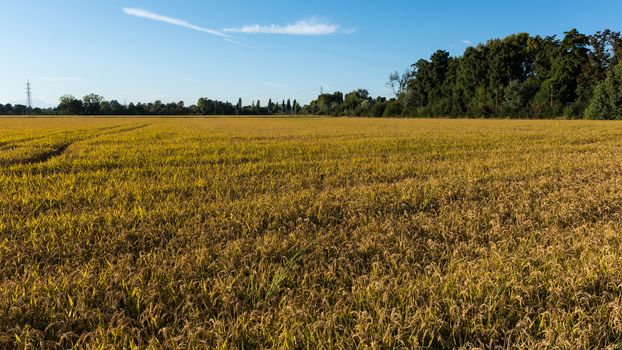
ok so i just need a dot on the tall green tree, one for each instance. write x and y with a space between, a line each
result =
607 100
92 104
69 105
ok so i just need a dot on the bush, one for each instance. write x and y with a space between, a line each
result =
607 100
377 110
393 109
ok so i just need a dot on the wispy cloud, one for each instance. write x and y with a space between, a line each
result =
311 27
239 43
303 27
467 42
136 12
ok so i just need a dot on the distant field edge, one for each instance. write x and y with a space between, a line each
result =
306 116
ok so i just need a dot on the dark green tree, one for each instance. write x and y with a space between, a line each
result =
607 100
92 104
69 105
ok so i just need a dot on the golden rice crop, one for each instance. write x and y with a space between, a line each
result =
310 233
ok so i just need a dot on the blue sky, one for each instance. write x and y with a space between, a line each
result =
143 50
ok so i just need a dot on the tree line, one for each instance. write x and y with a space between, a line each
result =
519 76
356 103
93 104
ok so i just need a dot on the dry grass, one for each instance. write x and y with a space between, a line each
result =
310 233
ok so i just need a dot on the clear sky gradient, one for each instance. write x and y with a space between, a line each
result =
143 50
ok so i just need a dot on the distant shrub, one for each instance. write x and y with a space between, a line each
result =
607 100
377 110
393 109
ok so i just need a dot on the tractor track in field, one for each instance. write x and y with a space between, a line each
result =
45 156
62 148
17 143
120 131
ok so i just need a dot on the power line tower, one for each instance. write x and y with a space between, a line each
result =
321 90
29 94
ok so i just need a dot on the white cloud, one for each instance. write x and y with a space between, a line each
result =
170 20
467 42
304 27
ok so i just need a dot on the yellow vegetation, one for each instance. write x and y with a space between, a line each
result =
310 233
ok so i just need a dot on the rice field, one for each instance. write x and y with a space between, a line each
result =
310 233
